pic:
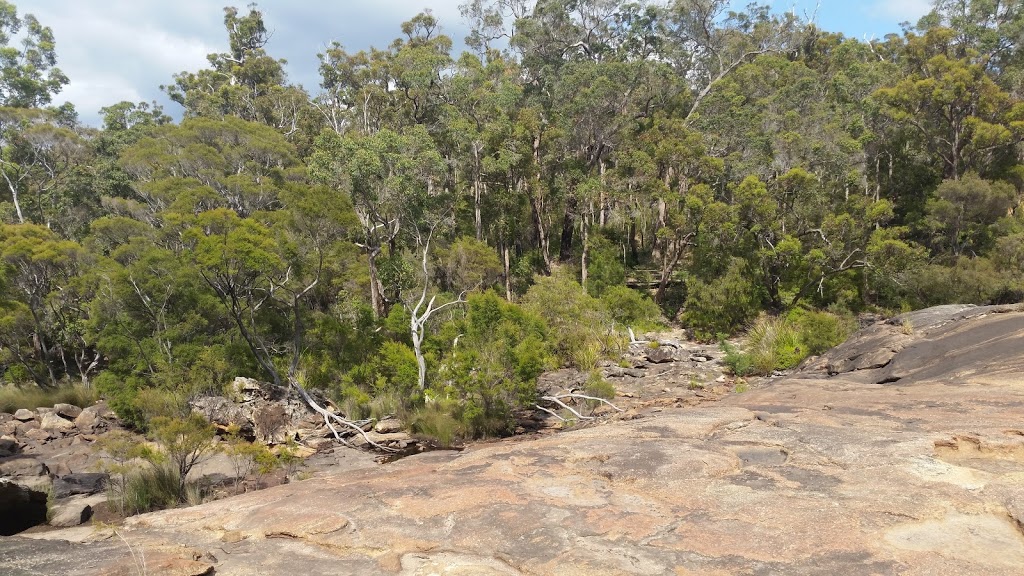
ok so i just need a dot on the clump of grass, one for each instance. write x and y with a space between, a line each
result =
780 343
738 362
598 387
434 421
13 398
774 344
151 488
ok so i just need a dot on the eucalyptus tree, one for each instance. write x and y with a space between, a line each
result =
244 82
29 77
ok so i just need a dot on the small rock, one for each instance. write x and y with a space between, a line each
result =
320 444
700 358
388 426
69 411
720 378
24 415
54 423
9 428
82 483
37 435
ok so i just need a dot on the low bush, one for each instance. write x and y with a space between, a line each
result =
719 308
632 309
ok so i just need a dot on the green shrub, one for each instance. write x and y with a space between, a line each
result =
605 270
821 331
598 387
631 308
578 324
722 306
738 362
774 344
185 441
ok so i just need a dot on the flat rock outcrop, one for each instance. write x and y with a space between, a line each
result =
828 472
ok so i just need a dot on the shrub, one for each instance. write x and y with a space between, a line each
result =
722 306
739 362
152 488
185 441
774 344
577 322
605 270
821 331
630 308
598 387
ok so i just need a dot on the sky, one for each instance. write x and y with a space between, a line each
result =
114 50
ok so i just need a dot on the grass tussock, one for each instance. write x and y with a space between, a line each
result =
781 343
31 397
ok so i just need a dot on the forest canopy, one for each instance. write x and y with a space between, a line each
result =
429 231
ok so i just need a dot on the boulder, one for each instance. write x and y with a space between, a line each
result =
87 483
388 426
88 419
8 447
24 427
69 411
24 415
20 508
9 428
54 423
22 466
661 354
74 511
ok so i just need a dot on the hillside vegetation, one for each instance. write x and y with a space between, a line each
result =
427 232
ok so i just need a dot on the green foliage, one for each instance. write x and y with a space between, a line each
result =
185 441
632 309
580 327
436 421
780 343
738 362
271 234
605 269
721 307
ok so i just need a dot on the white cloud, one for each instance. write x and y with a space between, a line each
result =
115 50
901 10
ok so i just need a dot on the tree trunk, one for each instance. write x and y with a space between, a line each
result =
376 289
568 227
583 259
507 261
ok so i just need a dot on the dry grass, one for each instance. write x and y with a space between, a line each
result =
31 397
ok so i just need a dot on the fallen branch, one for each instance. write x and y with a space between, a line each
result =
559 400
328 416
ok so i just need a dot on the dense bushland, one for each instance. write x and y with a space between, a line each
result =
429 231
